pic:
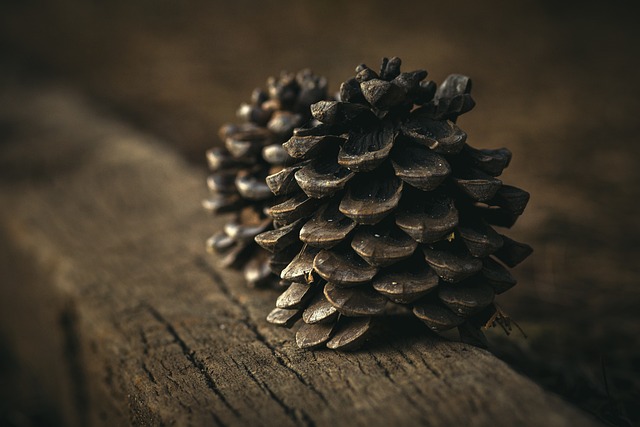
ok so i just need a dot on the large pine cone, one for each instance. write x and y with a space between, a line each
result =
252 150
387 205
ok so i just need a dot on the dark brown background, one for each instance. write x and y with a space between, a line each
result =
555 82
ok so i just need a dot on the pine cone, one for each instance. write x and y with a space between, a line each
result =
252 150
388 207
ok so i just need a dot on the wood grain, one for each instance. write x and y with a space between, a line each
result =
106 222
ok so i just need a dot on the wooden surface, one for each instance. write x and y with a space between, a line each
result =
125 320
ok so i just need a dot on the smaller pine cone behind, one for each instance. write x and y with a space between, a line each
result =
252 150
387 207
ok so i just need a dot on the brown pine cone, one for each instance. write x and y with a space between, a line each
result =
386 207
252 150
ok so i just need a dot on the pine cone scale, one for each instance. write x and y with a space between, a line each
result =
343 267
280 238
352 334
355 302
437 317
512 253
327 228
511 198
302 265
283 317
497 276
307 147
251 187
220 203
382 246
420 167
224 183
291 210
382 94
295 295
320 310
428 219
369 198
284 183
491 162
314 335
441 137
365 152
405 286
480 239
452 266
478 185
322 178
274 154
466 299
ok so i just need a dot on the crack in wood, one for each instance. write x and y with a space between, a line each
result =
149 374
197 363
298 417
435 373
144 342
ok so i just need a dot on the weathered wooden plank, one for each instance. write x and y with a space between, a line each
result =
106 222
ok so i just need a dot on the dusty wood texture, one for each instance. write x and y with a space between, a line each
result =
128 321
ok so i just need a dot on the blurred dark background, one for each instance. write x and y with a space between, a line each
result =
555 82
